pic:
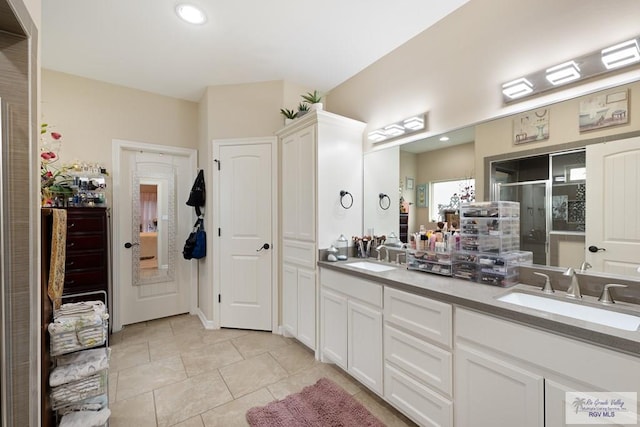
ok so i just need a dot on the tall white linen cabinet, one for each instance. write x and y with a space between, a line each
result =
321 155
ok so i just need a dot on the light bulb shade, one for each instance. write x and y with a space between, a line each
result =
377 136
414 123
621 54
393 130
563 73
517 88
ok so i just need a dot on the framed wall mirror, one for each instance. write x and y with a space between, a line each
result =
153 228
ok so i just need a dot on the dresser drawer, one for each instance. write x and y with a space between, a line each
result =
85 260
85 277
85 242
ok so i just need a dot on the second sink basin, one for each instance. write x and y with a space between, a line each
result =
587 313
371 266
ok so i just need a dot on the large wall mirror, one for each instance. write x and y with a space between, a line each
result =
559 189
153 228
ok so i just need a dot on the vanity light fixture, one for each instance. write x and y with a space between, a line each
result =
517 88
622 54
403 127
191 14
574 70
563 73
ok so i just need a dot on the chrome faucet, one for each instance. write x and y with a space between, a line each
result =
574 288
386 250
585 266
605 296
547 288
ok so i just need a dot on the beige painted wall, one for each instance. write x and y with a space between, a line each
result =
90 114
496 137
455 162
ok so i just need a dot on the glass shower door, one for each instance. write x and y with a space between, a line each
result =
532 196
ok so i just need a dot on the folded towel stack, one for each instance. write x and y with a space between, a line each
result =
76 366
75 391
77 326
85 418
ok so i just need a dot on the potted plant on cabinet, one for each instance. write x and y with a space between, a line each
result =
303 108
314 99
289 115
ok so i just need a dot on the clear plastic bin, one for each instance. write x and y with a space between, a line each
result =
429 261
490 210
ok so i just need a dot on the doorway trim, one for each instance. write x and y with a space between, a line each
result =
117 147
214 267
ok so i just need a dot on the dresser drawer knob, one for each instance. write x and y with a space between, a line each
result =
73 224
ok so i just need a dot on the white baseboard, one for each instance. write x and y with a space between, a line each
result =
207 324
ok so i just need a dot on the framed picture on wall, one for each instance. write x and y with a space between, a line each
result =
604 110
422 196
531 126
409 183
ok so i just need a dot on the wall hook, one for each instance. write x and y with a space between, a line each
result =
382 203
343 194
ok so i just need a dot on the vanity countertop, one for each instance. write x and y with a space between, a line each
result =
483 298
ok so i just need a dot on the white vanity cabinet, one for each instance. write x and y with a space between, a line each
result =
351 326
510 374
418 362
321 154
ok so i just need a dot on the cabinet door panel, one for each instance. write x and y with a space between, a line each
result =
307 307
290 178
290 299
365 345
491 392
334 327
306 197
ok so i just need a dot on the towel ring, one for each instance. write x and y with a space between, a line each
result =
344 193
383 205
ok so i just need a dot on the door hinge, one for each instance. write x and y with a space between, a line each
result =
218 162
219 232
219 298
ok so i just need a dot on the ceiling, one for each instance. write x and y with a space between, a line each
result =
142 44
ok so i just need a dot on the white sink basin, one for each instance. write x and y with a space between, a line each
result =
587 313
371 266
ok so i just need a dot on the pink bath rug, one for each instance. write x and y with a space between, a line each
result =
320 405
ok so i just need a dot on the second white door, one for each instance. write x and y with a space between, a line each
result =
246 254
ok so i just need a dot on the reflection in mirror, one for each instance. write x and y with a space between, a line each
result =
560 212
154 228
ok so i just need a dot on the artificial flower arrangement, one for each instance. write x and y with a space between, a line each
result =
54 181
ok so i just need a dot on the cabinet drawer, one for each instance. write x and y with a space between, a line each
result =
425 407
418 315
85 242
364 290
427 363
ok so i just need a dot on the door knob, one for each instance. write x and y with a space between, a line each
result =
265 246
595 249
129 244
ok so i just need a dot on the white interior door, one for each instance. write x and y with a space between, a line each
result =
613 206
141 302
245 255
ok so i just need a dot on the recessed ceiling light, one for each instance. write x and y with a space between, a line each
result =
191 14
444 138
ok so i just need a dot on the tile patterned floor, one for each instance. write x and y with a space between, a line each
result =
173 372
